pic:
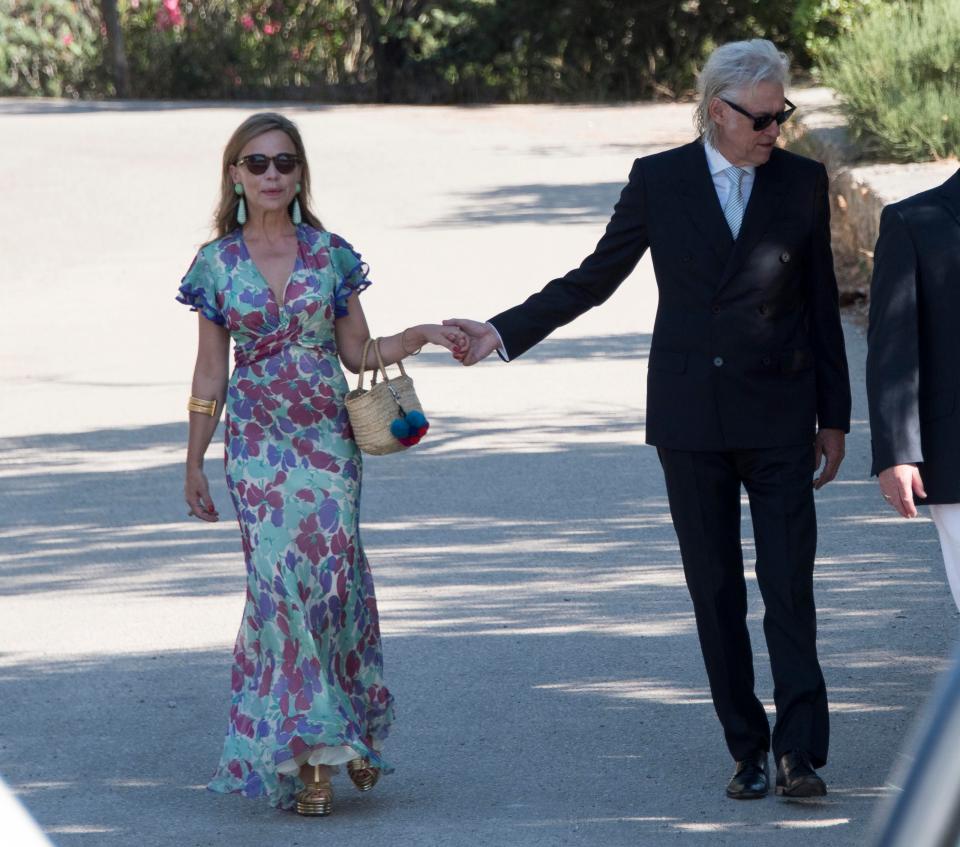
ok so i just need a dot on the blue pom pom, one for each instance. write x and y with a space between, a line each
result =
415 419
399 429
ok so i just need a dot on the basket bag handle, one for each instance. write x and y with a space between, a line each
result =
382 368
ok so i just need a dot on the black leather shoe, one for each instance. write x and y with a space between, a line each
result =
750 780
797 778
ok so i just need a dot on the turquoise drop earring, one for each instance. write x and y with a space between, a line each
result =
295 214
241 207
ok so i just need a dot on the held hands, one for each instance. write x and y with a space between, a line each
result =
898 484
828 446
483 339
453 338
196 492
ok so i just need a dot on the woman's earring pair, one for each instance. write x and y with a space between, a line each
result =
295 213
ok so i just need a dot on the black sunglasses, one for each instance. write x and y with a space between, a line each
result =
761 122
257 163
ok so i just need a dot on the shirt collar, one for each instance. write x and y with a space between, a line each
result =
718 163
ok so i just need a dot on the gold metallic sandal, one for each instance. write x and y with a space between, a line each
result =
317 798
362 774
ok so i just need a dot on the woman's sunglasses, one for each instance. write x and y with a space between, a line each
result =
257 163
761 122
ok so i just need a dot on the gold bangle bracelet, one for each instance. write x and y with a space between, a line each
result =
404 346
204 407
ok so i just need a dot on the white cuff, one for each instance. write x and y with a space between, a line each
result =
501 350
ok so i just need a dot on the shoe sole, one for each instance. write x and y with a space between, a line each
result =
747 796
803 791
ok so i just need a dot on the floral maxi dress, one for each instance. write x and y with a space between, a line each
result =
307 673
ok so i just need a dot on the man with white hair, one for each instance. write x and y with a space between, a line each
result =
747 385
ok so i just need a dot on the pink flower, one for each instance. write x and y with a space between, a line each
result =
246 21
67 39
169 15
270 28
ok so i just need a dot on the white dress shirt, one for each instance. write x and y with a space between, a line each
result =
717 164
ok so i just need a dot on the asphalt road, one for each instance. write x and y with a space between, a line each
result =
538 636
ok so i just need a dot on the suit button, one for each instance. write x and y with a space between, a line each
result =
686 257
784 257
715 309
766 360
718 362
762 308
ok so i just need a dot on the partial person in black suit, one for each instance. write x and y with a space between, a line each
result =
913 362
747 386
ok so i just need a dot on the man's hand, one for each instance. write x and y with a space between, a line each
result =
898 484
483 338
828 446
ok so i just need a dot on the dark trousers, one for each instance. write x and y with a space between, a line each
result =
704 493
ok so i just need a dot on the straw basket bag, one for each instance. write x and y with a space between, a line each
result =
373 412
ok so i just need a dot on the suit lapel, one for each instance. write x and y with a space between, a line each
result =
700 201
761 210
950 195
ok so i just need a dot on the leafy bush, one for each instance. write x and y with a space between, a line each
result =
898 76
47 47
224 49
816 24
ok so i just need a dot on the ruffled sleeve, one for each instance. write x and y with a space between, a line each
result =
198 289
352 271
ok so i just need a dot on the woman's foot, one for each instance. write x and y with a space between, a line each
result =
316 799
362 774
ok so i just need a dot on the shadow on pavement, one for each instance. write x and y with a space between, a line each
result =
536 203
538 637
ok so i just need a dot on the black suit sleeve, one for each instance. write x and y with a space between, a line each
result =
568 297
826 331
893 347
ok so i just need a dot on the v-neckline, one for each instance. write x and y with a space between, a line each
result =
297 262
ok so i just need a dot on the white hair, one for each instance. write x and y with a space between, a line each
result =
735 67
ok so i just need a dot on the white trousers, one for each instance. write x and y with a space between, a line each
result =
947 519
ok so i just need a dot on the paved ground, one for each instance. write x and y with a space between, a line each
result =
538 635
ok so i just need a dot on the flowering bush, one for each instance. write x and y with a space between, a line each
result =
47 47
225 49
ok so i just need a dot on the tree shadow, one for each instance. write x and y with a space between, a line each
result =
538 637
536 203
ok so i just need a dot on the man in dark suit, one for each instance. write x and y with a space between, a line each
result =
913 362
747 386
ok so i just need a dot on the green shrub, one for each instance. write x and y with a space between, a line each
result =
47 47
898 77
225 49
816 24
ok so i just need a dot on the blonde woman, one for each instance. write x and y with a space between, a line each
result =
308 690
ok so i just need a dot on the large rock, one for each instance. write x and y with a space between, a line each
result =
859 190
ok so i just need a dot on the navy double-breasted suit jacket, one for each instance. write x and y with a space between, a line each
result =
913 360
747 349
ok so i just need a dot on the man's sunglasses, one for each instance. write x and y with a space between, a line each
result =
761 122
257 163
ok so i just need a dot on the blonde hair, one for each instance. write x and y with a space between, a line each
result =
734 67
225 218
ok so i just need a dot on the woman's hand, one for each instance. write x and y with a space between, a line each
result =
196 492
451 337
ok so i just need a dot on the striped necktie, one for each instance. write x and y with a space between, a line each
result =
733 210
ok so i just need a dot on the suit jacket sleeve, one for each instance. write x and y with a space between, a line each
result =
826 330
568 297
893 347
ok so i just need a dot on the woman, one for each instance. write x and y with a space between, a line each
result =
308 692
